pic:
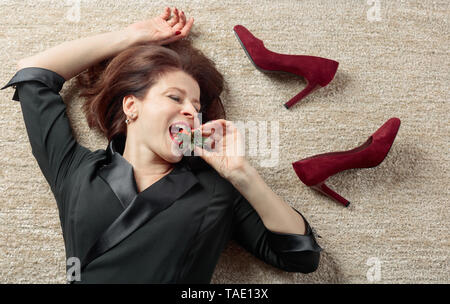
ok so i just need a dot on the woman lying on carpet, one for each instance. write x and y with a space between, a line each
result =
145 210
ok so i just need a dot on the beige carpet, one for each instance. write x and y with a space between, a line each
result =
395 63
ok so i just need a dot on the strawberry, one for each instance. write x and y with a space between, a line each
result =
184 136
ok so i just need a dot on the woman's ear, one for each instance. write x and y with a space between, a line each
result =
129 105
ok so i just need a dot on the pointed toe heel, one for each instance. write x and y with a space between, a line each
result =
317 71
315 170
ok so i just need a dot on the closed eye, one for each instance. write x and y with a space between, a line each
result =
178 99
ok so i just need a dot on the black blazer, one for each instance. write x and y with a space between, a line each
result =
172 232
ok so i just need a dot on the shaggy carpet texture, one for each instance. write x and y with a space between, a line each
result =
394 62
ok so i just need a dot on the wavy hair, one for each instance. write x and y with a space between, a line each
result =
134 71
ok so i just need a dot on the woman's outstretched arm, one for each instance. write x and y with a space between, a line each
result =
71 58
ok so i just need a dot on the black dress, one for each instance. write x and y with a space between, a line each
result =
172 232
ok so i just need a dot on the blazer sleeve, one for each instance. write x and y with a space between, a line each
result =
286 251
53 145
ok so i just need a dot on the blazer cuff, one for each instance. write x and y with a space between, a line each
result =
48 77
291 242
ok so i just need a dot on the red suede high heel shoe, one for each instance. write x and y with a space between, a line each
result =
314 171
317 71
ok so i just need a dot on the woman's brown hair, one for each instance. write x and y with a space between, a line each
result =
134 71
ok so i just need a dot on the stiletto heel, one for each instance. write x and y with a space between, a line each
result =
317 71
315 170
324 189
306 91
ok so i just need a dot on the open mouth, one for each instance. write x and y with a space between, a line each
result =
182 134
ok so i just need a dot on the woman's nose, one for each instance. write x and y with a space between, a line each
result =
191 113
189 110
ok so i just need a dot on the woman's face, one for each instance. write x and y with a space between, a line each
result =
174 98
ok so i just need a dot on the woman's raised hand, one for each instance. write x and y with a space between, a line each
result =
227 155
162 29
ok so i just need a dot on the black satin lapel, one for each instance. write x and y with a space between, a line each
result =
144 206
119 176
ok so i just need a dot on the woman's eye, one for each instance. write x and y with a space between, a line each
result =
178 99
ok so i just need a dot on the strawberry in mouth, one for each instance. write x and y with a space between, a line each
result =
179 132
184 137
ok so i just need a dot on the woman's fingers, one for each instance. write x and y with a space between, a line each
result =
187 27
183 26
183 18
181 22
175 18
178 23
166 14
183 32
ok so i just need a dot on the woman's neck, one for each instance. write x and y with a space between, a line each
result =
146 164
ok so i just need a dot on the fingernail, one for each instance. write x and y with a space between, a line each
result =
177 33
